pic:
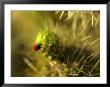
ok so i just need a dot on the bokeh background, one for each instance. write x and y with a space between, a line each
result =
74 28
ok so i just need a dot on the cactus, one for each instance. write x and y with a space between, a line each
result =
78 57
49 44
64 43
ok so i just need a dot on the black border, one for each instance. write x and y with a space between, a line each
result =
1 44
108 40
54 1
2 2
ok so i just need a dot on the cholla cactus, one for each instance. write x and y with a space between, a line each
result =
77 59
80 54
70 41
48 43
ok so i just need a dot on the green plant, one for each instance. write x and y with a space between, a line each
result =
67 43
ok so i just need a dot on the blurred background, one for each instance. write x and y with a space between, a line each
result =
74 28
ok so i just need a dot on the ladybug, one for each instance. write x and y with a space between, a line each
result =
36 47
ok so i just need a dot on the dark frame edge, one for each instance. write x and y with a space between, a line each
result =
2 41
108 39
54 1
1 44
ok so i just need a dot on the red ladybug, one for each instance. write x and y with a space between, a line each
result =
36 47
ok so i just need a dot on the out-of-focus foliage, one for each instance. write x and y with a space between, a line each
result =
78 32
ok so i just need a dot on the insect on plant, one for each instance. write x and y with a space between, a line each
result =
65 43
